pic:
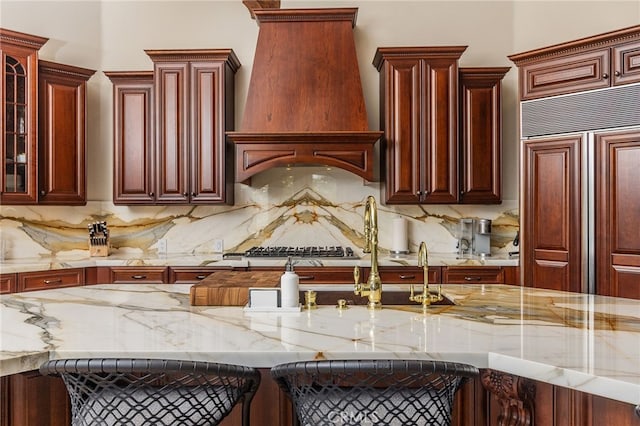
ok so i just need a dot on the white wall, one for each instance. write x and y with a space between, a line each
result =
112 35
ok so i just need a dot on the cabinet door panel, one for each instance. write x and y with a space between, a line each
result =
567 74
618 208
440 154
62 116
480 135
133 173
207 137
172 133
551 214
7 283
401 100
626 63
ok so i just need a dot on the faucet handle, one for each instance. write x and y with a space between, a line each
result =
356 279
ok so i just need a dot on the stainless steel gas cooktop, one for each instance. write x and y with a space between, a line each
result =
288 251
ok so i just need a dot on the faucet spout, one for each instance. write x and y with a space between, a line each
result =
373 287
425 298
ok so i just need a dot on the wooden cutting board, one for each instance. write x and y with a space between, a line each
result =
231 288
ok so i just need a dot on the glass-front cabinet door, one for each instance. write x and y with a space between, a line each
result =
18 183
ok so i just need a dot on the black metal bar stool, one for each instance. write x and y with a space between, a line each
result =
372 392
107 392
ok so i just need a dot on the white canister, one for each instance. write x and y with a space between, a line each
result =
289 287
400 239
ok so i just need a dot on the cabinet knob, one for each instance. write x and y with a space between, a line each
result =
605 76
617 73
193 194
419 193
151 194
43 193
185 194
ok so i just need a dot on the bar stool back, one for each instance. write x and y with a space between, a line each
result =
107 392
378 392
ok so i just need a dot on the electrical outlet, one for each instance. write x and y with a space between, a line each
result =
162 246
218 246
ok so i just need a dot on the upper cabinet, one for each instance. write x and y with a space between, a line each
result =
481 135
133 127
442 127
170 145
43 117
61 134
590 63
19 116
418 115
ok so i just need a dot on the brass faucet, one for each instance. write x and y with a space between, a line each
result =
373 287
425 298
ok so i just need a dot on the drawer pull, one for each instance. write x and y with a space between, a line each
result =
58 281
472 278
307 277
138 277
407 277
201 277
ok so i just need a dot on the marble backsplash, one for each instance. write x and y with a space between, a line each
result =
300 206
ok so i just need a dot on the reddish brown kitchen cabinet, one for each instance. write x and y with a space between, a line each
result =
617 213
473 275
419 118
409 275
551 215
133 137
62 133
44 280
7 283
597 62
19 118
191 274
139 275
194 107
30 399
481 135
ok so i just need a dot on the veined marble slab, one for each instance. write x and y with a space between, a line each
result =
583 342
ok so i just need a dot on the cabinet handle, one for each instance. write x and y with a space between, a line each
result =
307 277
138 277
48 282
201 277
605 76
419 193
407 277
617 73
472 278
185 194
193 194
43 193
151 194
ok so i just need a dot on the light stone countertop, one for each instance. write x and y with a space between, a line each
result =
200 260
583 342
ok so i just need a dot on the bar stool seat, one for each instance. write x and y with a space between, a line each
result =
110 391
372 392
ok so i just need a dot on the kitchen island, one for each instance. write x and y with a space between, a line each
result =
585 343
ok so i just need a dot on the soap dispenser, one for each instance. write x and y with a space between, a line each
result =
289 287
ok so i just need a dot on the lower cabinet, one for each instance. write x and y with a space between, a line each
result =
30 399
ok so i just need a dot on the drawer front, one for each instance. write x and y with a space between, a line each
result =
7 283
188 275
408 275
568 74
135 275
29 281
473 275
320 274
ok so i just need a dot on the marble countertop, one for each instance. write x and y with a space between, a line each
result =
199 260
583 342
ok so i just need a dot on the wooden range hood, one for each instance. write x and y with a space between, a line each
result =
305 104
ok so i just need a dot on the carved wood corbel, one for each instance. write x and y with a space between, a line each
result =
515 395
